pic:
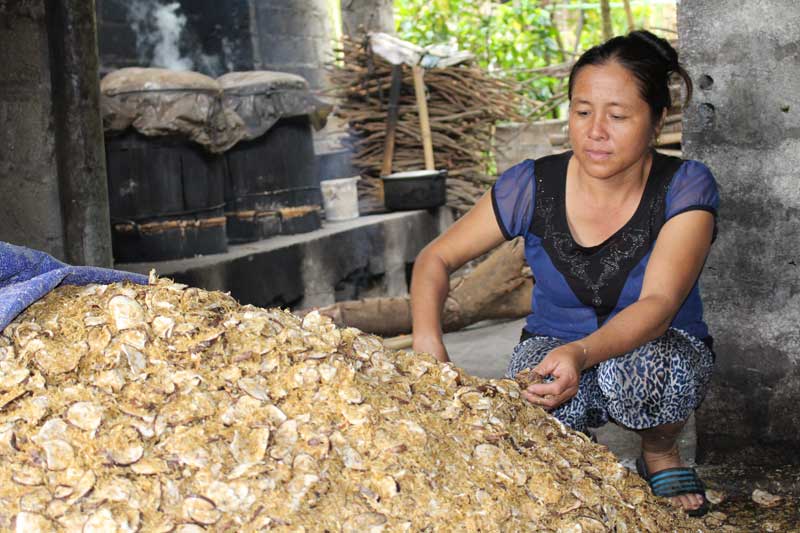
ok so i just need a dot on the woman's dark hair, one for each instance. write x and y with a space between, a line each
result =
648 57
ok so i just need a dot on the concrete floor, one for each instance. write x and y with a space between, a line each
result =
484 349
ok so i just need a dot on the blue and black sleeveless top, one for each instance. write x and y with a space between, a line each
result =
577 288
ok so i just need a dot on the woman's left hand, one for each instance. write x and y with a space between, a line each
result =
565 364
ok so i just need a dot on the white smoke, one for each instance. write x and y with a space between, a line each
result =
158 28
170 25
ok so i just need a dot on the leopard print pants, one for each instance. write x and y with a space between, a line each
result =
660 382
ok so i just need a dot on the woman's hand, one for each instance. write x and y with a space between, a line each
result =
431 345
565 364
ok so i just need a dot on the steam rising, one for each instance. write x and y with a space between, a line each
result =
158 31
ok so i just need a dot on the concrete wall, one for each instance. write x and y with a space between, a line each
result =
367 15
294 37
744 123
217 37
115 35
30 213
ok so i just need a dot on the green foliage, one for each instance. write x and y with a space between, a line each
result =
513 37
643 16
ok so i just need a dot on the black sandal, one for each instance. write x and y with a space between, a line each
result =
674 482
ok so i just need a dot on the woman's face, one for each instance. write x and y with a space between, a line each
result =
610 125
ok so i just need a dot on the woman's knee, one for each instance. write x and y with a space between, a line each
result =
637 377
665 375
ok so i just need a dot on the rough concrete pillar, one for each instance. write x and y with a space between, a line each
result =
79 132
745 60
30 211
367 15
52 167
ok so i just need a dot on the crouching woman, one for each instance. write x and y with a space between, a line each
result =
616 235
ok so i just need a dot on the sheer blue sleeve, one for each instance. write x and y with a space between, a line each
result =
512 199
693 187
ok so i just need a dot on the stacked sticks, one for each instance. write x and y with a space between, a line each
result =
464 103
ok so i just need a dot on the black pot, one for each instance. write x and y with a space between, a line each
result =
417 189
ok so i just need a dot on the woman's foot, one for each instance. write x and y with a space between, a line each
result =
656 461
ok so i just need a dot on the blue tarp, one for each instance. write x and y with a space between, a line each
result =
27 275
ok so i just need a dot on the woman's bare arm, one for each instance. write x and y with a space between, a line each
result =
472 235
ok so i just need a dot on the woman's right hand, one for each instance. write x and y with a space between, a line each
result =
431 345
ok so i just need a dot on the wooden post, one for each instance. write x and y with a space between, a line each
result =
557 32
391 122
424 123
579 31
629 14
605 16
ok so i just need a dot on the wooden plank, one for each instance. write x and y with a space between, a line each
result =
665 151
666 139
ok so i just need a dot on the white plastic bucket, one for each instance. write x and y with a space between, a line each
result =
340 198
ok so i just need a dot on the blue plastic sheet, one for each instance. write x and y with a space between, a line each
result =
27 275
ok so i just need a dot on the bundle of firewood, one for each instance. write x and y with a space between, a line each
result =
464 102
